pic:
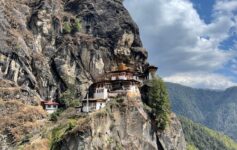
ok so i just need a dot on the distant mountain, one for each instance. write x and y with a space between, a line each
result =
199 137
214 109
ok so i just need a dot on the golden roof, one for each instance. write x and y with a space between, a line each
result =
122 67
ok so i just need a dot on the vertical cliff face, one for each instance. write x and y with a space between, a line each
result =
172 138
48 46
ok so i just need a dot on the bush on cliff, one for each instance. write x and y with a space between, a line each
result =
60 131
54 116
77 25
67 27
160 105
69 98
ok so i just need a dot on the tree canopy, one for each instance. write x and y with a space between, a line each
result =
160 105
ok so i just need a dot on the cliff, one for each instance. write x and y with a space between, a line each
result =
122 124
48 46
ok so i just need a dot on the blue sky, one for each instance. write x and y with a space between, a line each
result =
204 9
193 42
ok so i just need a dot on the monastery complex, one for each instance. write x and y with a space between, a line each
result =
119 81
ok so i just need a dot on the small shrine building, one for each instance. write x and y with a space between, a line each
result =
50 106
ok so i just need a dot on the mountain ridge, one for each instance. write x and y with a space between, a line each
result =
212 108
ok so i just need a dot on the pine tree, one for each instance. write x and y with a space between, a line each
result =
160 103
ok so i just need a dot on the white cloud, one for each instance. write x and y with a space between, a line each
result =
226 5
201 80
233 66
177 39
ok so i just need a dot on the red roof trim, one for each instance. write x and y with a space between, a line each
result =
50 103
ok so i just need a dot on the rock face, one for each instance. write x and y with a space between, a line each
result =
48 46
173 134
119 126
122 125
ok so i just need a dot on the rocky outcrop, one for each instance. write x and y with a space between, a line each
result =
10 91
173 134
123 124
21 115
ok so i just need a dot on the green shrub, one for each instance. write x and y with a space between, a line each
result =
59 132
191 147
53 117
67 27
110 140
69 98
72 123
78 25
160 105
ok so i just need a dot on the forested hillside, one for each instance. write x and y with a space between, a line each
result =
214 109
200 137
